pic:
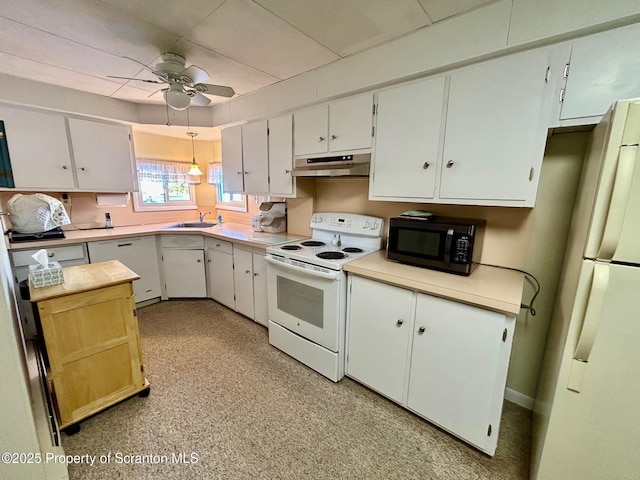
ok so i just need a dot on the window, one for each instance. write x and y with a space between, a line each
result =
163 186
225 201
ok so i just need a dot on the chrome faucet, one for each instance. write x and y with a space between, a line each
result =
202 215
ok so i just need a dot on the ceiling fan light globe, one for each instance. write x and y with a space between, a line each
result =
177 99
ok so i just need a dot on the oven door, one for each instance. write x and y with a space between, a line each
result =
305 301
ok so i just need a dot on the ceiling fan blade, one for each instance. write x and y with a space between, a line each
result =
198 99
136 79
139 63
218 90
195 73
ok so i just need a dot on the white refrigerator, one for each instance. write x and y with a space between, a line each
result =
586 421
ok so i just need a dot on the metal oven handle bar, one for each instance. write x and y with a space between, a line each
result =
312 273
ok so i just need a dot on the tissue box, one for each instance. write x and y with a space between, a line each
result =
43 277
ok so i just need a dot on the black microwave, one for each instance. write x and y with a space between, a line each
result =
448 244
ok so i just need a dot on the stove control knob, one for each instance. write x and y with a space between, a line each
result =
366 224
317 219
374 226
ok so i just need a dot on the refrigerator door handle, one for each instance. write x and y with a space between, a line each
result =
593 312
619 199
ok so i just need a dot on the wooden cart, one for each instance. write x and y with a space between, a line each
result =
91 335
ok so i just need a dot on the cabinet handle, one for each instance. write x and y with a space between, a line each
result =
450 164
321 139
247 271
238 173
217 244
125 244
333 137
64 167
399 322
247 173
426 165
255 274
51 255
199 260
421 330
82 168
287 171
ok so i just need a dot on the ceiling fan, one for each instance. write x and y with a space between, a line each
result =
184 84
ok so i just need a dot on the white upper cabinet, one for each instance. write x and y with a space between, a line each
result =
474 137
406 153
255 157
603 68
281 156
495 132
38 148
231 145
51 152
102 155
342 126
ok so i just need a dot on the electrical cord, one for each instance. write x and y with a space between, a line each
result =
535 280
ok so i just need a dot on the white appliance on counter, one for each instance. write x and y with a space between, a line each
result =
307 288
273 217
586 420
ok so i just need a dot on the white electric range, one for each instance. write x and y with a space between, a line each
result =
308 288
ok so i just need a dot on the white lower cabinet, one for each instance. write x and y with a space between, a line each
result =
183 266
220 272
444 360
250 282
137 253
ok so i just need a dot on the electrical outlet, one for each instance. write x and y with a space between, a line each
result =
66 199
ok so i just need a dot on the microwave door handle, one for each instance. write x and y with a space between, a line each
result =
447 247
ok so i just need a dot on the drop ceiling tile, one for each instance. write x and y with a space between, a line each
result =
22 68
137 95
439 9
347 27
249 34
173 16
92 24
33 44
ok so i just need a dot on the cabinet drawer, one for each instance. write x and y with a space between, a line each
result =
22 258
220 245
182 241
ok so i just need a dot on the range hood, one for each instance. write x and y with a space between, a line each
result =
335 166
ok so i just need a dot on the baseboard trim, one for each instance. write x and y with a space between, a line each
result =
518 398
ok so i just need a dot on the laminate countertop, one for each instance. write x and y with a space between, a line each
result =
492 288
232 232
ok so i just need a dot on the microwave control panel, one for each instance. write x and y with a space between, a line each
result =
462 249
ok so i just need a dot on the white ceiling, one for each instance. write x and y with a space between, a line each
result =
246 44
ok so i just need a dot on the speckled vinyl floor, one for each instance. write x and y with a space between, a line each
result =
224 404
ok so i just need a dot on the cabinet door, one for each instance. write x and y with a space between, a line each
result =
409 125
260 295
38 148
184 273
378 336
454 365
255 157
102 156
310 130
495 130
220 273
140 255
231 145
350 123
281 155
600 74
243 281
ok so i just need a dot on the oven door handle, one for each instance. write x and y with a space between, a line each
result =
306 271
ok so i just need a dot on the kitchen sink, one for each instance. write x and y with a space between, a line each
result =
191 225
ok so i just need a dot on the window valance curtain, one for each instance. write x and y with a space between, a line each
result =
162 170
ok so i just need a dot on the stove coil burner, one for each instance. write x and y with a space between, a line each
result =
291 247
331 255
312 243
352 250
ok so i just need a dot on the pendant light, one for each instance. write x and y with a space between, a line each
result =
194 174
